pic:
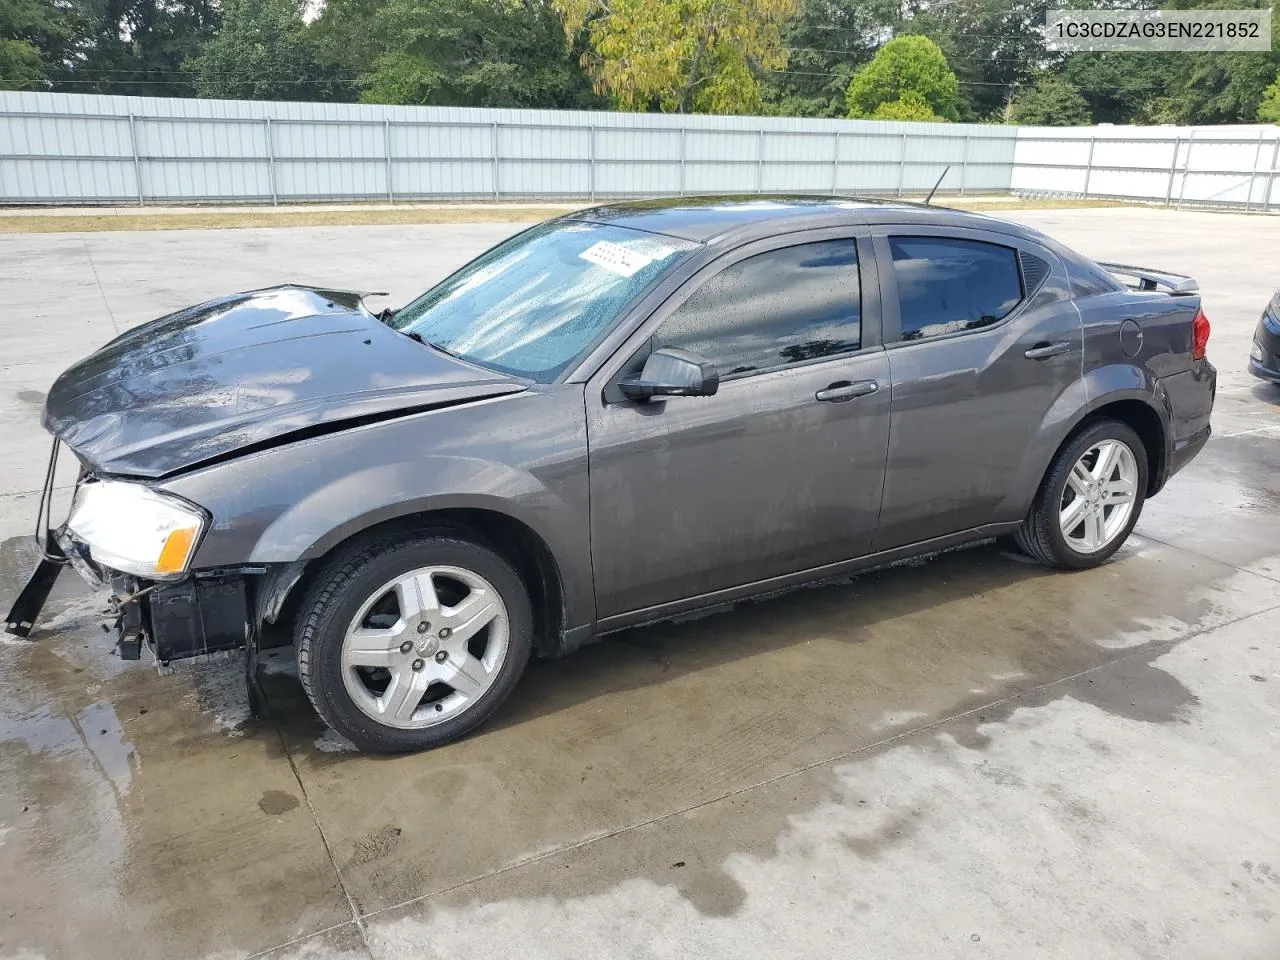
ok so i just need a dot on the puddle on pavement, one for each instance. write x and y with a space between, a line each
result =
103 736
1225 505
937 835
667 718
118 786
907 849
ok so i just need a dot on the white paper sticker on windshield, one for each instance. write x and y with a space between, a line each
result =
616 258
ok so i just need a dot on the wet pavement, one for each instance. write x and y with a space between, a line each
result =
964 756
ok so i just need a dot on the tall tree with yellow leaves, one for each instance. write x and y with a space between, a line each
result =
680 55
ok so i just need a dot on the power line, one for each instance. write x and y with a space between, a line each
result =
152 76
225 77
982 36
840 76
978 59
241 79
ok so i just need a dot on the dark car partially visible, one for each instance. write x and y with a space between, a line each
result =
1264 354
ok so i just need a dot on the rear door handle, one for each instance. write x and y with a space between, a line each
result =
1043 351
842 391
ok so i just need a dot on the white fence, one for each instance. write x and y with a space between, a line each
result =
1236 166
91 149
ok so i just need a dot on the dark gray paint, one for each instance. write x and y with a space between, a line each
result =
522 455
246 370
648 509
971 409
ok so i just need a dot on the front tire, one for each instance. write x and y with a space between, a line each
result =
412 643
1089 500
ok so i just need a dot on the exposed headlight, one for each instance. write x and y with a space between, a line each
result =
131 528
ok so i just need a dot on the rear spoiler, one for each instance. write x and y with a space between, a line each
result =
1140 278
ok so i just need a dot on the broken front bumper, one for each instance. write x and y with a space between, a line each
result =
177 620
204 613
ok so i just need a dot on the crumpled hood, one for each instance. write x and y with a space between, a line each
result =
243 371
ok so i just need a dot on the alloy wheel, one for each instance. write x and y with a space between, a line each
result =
1099 496
425 647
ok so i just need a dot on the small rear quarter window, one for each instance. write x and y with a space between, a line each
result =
948 285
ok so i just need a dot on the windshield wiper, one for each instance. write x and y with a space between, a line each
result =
445 350
414 335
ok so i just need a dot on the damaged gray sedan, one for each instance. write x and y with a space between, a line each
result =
613 418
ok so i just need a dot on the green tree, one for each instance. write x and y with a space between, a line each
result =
905 65
1224 87
993 46
32 36
348 35
488 53
132 47
1052 102
909 106
263 52
826 44
20 66
680 55
1269 109
1125 87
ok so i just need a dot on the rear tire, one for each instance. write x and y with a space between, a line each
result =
1089 500
410 643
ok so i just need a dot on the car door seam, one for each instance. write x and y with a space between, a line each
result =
1080 317
888 445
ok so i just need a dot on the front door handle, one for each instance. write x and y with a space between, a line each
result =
842 391
1043 351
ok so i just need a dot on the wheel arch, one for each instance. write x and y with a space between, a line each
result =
1126 393
1130 394
1141 417
510 537
1138 411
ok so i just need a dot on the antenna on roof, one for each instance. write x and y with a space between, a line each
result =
937 185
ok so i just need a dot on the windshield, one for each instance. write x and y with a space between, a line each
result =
533 305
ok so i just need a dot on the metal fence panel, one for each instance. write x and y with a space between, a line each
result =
155 150
1230 166
649 179
439 142
197 180
417 178
361 179
90 148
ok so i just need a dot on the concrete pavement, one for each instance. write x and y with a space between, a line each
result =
969 756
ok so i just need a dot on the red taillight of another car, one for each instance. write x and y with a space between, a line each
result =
1199 335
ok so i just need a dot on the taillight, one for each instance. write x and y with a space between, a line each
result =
1199 335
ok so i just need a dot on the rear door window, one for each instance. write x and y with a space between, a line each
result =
786 306
949 285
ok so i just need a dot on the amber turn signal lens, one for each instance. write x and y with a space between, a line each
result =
177 550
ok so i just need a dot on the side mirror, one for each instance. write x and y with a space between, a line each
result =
671 372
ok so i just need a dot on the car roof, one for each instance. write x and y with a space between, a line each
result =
710 218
